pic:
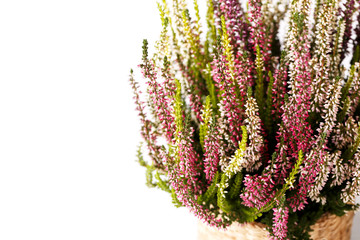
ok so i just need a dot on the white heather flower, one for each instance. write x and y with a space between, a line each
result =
345 133
321 179
331 108
321 61
338 169
352 188
253 126
325 129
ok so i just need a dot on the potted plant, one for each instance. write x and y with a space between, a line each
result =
251 129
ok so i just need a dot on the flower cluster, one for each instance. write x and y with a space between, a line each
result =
281 215
243 126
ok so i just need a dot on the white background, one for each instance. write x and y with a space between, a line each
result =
68 129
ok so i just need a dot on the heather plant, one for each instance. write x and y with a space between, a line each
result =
241 125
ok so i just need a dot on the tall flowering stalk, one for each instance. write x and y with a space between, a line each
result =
321 59
255 149
281 215
235 22
243 126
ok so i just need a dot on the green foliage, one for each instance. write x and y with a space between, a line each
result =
164 19
149 176
249 92
197 12
286 98
236 162
210 193
291 179
345 108
222 202
166 64
231 203
175 200
145 50
236 186
178 108
346 88
212 90
149 173
226 40
234 167
299 223
210 20
206 117
299 20
140 157
149 168
163 185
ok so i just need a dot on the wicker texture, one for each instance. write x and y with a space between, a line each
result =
328 227
333 227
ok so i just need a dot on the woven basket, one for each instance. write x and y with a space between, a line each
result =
328 227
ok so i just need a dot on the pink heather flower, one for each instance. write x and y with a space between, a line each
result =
235 23
188 162
229 105
244 67
193 94
296 110
213 153
281 165
258 190
259 36
160 100
281 216
195 104
168 82
308 173
147 131
294 131
279 89
183 170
